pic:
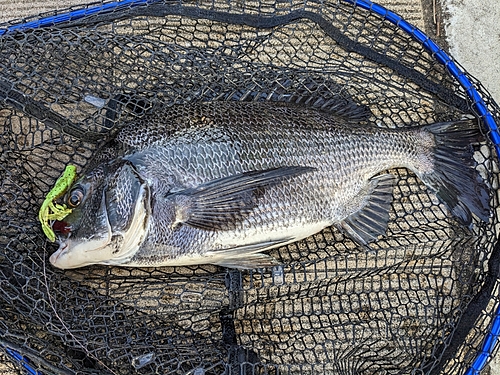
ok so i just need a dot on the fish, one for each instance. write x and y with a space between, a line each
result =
223 182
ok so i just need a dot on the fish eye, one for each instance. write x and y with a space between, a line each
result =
75 197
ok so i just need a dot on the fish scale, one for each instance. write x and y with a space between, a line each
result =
224 182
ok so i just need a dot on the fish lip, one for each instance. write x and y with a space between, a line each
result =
63 247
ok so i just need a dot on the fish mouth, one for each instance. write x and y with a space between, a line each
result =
108 246
63 247
74 253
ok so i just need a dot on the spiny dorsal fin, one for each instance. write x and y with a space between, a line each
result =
315 92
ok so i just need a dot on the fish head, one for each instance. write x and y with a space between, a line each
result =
109 219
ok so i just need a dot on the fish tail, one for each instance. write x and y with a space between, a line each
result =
452 173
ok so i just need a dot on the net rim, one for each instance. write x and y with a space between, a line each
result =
76 14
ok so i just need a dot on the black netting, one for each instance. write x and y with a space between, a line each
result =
421 302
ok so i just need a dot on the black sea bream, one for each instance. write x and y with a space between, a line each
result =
222 182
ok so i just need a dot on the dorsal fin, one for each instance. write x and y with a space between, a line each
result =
337 105
318 93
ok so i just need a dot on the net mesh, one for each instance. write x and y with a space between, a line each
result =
420 303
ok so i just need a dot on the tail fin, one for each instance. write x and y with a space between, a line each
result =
454 177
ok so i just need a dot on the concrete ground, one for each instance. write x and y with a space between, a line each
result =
473 33
469 29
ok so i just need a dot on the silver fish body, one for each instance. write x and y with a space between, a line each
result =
222 182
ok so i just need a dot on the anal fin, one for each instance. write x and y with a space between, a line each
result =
248 256
370 221
251 261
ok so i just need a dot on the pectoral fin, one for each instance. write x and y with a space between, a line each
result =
365 225
221 203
